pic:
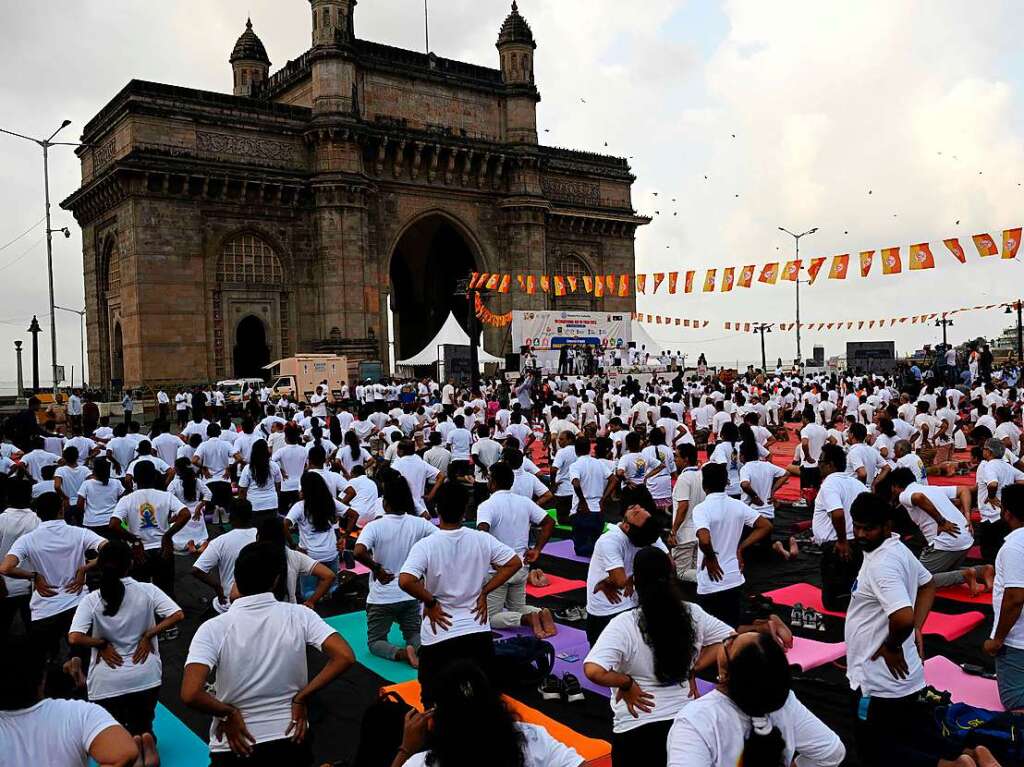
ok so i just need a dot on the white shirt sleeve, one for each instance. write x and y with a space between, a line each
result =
205 646
687 747
82 621
500 553
317 630
817 745
416 561
615 646
208 560
94 721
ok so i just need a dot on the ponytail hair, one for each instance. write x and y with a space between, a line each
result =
101 470
184 472
115 560
663 618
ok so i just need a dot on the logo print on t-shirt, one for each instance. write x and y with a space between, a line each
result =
147 516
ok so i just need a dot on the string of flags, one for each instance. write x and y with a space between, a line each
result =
747 327
488 317
919 257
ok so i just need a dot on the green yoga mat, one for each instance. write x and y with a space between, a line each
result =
567 529
179 746
352 627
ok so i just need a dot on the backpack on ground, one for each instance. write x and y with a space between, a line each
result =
1002 732
522 661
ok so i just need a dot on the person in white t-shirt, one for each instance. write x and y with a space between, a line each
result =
892 596
832 527
221 553
192 492
719 521
1006 641
383 546
760 480
150 518
44 731
687 494
471 718
812 439
593 481
946 530
67 479
316 517
15 521
291 458
993 476
610 572
448 573
260 480
117 624
510 518
752 716
258 651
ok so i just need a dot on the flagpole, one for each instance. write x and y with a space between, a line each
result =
426 24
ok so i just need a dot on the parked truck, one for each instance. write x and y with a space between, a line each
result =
297 377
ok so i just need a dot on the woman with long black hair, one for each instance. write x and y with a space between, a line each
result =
470 725
752 718
316 517
647 657
117 623
260 481
353 454
192 492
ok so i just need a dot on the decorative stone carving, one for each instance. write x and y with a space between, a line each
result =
575 192
244 146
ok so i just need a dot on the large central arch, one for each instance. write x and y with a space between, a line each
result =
431 255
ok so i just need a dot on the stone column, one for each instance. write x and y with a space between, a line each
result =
21 382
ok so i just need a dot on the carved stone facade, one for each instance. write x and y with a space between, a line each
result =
201 211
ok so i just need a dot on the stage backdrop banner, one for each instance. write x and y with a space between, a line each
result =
546 330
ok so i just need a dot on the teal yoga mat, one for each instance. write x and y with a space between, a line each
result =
352 627
179 746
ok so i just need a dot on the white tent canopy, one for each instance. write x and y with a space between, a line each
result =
642 338
451 333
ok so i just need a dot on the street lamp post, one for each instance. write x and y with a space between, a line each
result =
763 328
944 323
1017 306
796 238
45 144
81 335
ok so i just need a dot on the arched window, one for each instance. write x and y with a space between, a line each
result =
113 270
574 266
247 259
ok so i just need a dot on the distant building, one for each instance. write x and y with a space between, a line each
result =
222 231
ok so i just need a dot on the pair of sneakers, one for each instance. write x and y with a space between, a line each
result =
571 614
806 618
567 688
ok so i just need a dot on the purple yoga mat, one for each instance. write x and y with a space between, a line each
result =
564 550
570 641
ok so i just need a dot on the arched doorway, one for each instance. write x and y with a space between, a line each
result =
428 261
117 357
251 352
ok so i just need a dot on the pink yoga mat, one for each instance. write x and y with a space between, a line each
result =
949 627
808 653
565 550
961 594
943 674
557 585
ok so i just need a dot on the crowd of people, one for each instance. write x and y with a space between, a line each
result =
665 481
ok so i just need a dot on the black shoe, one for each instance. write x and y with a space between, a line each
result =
571 688
551 688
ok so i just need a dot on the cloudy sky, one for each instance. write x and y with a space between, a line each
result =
916 101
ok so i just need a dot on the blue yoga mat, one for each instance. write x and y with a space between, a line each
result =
352 627
179 746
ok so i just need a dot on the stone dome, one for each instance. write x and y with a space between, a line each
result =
249 47
515 29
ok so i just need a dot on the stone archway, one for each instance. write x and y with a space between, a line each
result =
430 257
251 351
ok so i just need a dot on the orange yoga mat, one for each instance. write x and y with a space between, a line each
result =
597 753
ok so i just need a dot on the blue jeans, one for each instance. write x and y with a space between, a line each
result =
1010 677
308 583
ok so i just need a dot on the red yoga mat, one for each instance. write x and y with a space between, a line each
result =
557 585
961 594
948 627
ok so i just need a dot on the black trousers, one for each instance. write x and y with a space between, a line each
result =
595 625
990 537
646 745
273 753
477 647
134 711
726 605
837 576
158 570
10 607
903 731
